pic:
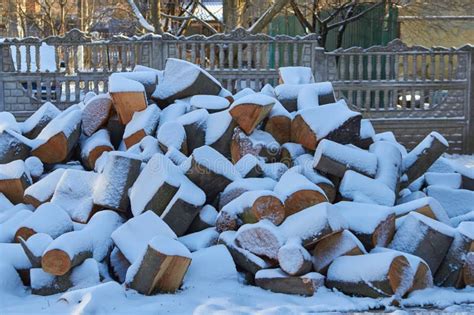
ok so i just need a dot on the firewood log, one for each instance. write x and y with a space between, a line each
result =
42 191
183 79
307 97
35 247
449 273
149 79
298 192
389 163
244 259
116 130
295 75
12 223
33 125
425 238
250 110
172 135
262 239
211 103
73 193
118 265
251 207
13 146
194 124
96 113
278 123
290 152
468 270
422 274
200 240
274 170
259 143
210 171
294 259
419 160
366 135
49 219
360 188
205 219
464 199
357 275
373 225
287 94
249 166
57 140
128 97
142 124
93 147
334 158
14 179
73 248
339 244
240 186
427 206
304 166
120 172
334 122
43 283
277 281
146 148
219 131
162 267
449 180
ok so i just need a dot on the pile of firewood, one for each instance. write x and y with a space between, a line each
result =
298 187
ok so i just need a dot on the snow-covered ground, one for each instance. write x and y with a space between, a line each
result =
212 286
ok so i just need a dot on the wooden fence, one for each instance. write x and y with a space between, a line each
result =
408 90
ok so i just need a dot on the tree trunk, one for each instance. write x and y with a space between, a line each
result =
268 16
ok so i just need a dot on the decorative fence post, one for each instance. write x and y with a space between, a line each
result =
470 138
2 58
320 65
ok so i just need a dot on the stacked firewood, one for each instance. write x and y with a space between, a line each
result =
298 187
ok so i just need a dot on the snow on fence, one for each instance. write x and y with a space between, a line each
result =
409 90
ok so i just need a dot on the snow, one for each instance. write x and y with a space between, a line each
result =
176 156
467 228
43 189
14 255
450 180
208 214
120 84
414 261
145 120
209 102
250 184
246 164
366 129
420 203
421 148
171 134
66 122
49 218
99 138
47 57
291 91
211 159
296 75
362 217
179 75
308 223
34 166
292 255
199 240
13 170
74 193
389 162
146 148
243 93
455 221
410 196
295 149
360 188
279 110
9 227
10 283
162 170
456 202
274 170
187 192
5 204
217 124
267 89
133 236
38 242
254 99
148 77
159 73
172 112
308 97
99 230
169 246
264 244
8 122
352 158
298 182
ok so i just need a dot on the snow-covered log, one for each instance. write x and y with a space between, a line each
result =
449 273
277 281
258 143
424 237
35 246
427 206
194 124
33 125
389 163
295 75
13 146
172 135
334 122
94 146
287 94
304 166
11 224
116 130
118 265
289 152
96 113
262 239
335 159
294 259
42 191
120 172
161 268
449 180
240 186
128 97
205 219
250 110
468 270
251 207
149 79
366 135
298 192
210 171
219 131
342 243
419 160
211 103
49 219
183 79
372 275
57 140
373 225
456 202
360 188
249 166
142 124
278 123
73 248
14 180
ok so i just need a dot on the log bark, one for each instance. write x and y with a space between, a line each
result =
339 244
220 140
116 129
277 281
118 265
13 147
35 253
34 124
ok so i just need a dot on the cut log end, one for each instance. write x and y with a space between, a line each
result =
303 199
248 116
265 207
56 262
301 133
25 233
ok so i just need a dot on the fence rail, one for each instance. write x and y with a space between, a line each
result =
409 90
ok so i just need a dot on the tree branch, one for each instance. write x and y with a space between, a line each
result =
355 17
299 15
267 17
